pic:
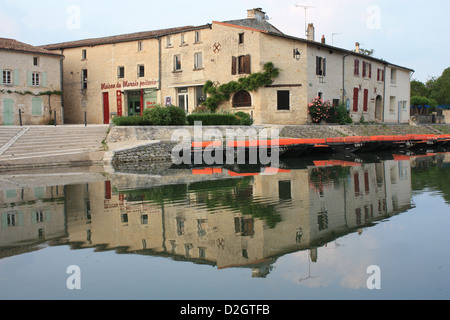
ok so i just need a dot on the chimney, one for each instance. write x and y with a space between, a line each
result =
310 32
323 39
257 14
357 47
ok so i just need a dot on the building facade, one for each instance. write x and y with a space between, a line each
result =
30 83
123 75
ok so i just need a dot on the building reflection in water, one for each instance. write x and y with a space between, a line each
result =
220 218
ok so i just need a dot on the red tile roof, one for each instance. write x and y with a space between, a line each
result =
14 45
121 38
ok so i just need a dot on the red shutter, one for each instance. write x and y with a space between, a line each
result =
356 67
355 99
366 100
370 71
364 70
356 183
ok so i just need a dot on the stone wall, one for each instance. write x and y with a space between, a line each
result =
152 152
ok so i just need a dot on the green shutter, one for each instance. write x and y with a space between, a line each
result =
30 79
4 220
20 218
17 77
33 217
1 76
48 215
44 80
36 106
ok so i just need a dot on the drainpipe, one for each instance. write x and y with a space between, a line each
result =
343 77
61 63
384 95
159 63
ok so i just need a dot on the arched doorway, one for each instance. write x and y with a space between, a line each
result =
242 99
379 109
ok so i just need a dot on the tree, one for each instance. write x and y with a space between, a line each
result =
440 88
419 89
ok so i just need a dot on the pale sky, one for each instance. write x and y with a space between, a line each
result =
410 33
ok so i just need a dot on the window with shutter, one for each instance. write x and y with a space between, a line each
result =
233 65
321 65
242 64
355 99
366 100
356 67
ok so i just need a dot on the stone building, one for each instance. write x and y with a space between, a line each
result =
30 81
122 75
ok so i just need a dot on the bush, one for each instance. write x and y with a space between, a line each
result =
157 116
177 116
130 121
340 115
320 111
201 110
213 119
244 118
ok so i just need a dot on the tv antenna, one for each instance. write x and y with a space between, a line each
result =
306 8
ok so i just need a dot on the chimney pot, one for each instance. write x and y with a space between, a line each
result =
310 34
257 14
323 39
357 47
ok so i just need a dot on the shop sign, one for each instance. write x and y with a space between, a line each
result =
123 85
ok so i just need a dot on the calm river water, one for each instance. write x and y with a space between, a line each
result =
365 227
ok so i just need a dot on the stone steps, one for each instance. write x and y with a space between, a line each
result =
39 143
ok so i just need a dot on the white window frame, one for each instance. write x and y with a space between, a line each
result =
198 36
36 79
140 47
36 61
139 75
169 41
7 77
198 60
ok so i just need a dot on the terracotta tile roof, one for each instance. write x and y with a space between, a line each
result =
14 45
121 38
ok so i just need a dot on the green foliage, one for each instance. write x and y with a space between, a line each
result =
130 121
250 83
244 118
440 88
177 116
157 116
201 110
435 89
423 101
340 115
419 89
321 111
213 119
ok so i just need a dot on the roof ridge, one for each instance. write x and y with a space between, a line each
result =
10 44
140 35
